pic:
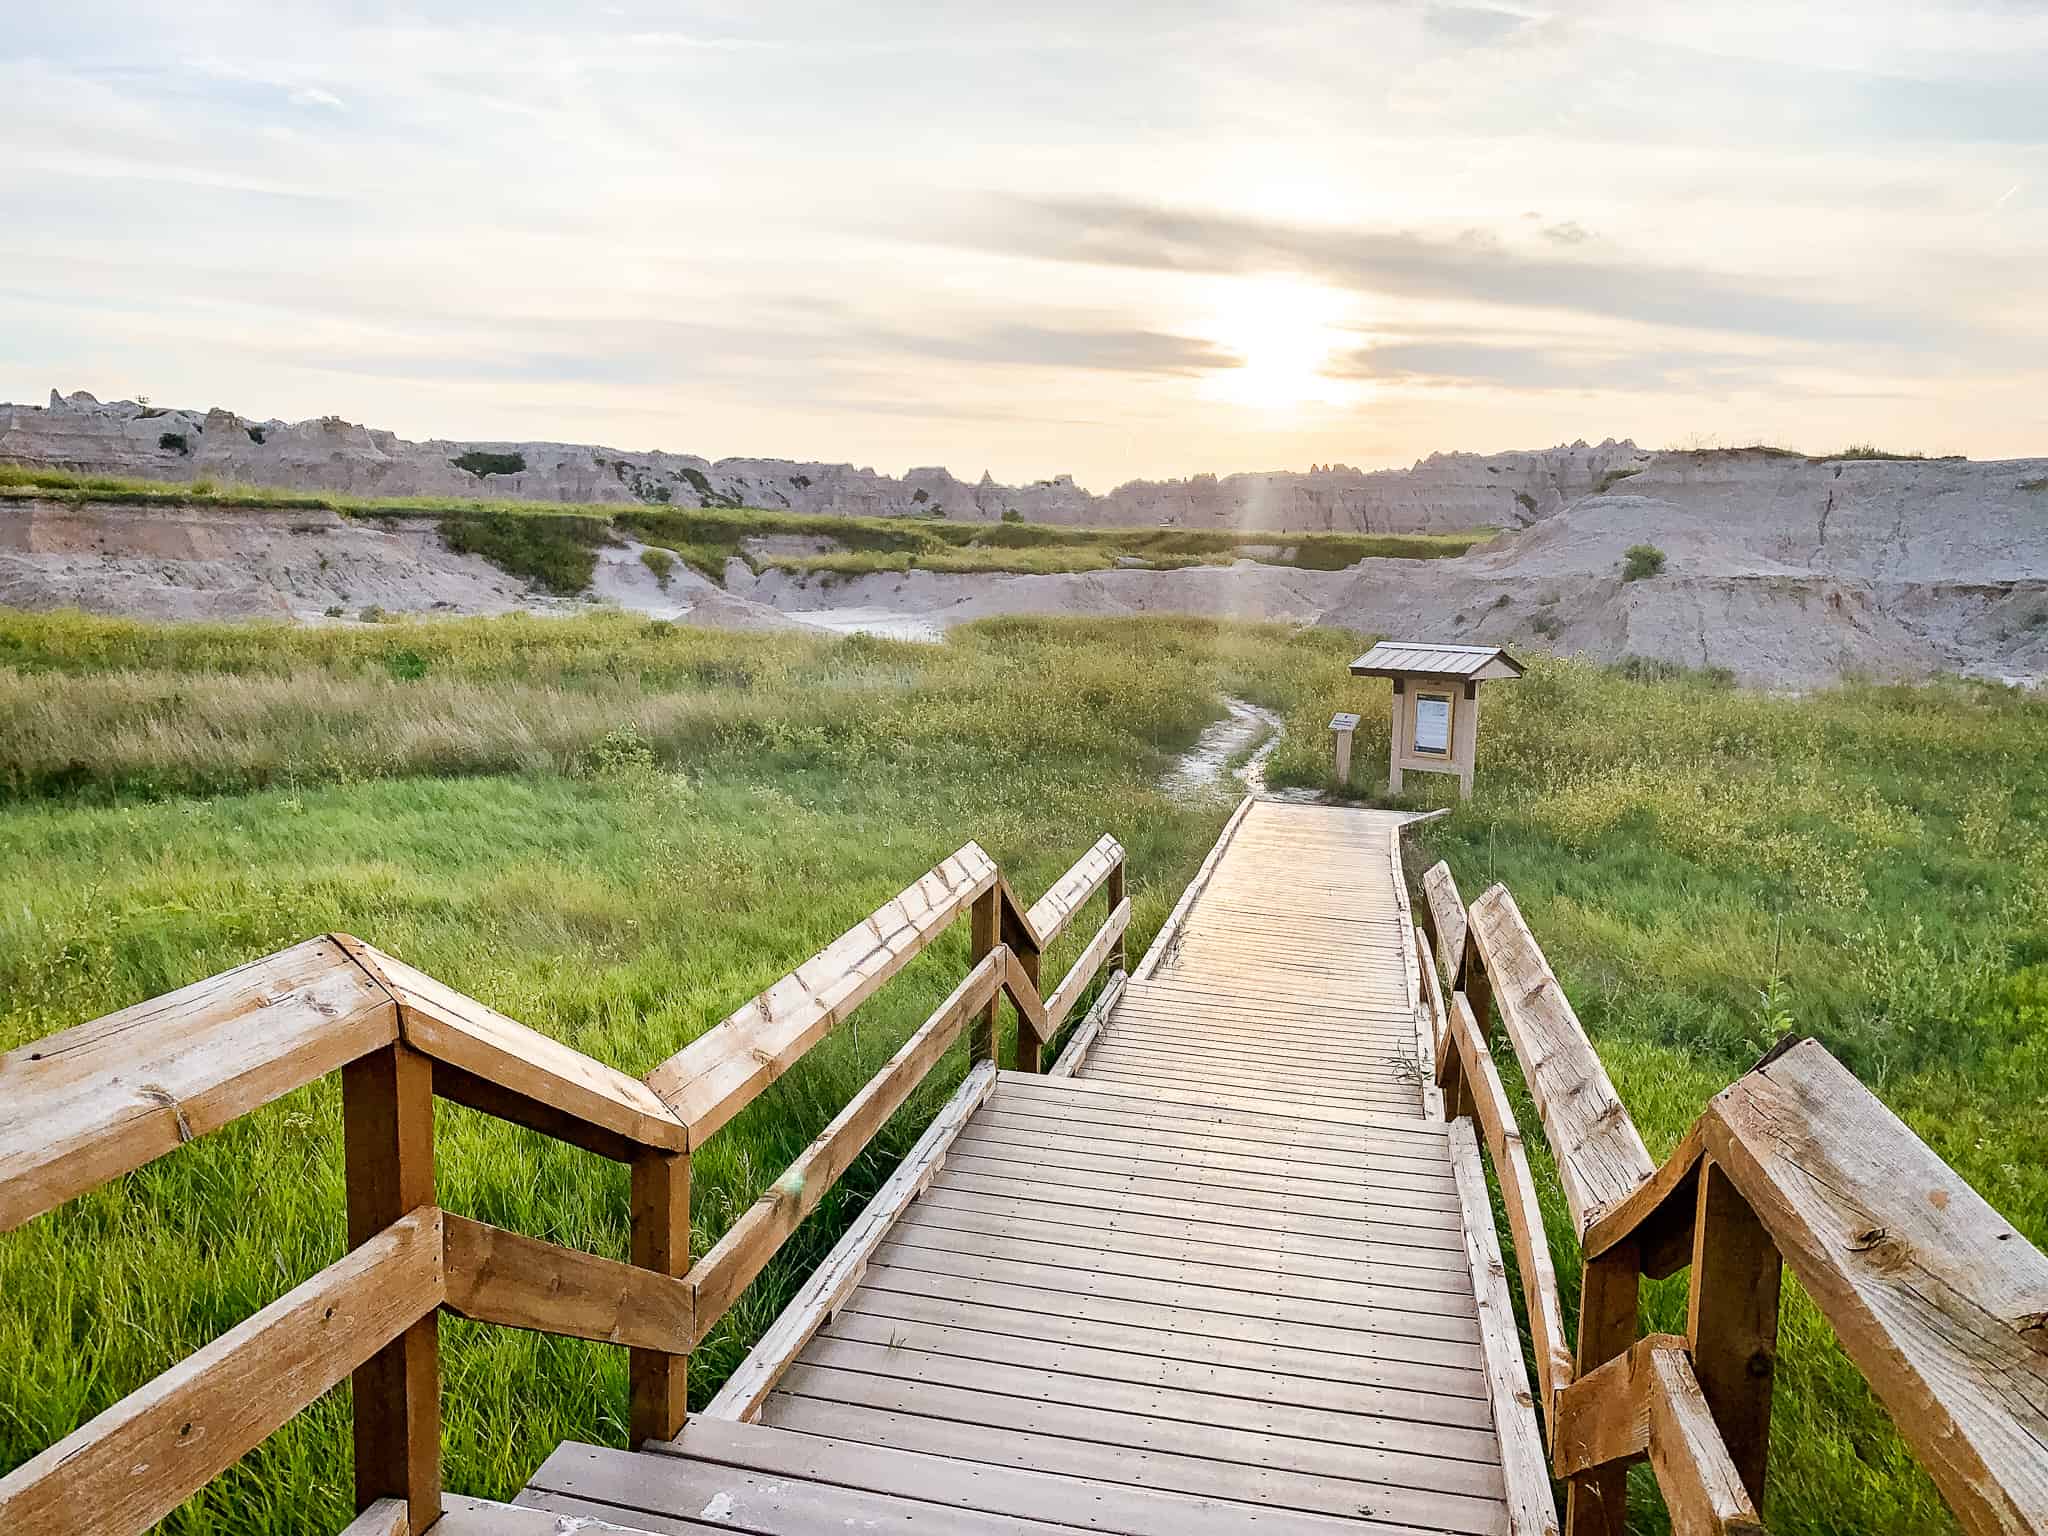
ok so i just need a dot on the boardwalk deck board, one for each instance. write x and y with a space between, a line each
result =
1217 1280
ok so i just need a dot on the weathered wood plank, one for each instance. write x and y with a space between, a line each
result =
1531 1510
1603 1418
1050 914
1701 1487
752 1241
515 1281
386 1517
1658 1217
1162 941
977 1485
1447 921
1089 1031
1600 1158
98 1100
834 1280
533 1067
1939 1301
141 1458
711 1079
1525 1214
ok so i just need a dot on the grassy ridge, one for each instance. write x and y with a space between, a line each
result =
616 831
555 546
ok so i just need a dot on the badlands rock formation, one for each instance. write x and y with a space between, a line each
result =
1443 493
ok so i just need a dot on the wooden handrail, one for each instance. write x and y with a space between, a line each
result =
91 1103
1940 1302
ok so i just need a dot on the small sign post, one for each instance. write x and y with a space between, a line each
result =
1344 726
1436 705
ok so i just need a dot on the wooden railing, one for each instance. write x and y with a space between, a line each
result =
84 1106
1937 1299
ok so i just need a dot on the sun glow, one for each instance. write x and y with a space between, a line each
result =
1287 331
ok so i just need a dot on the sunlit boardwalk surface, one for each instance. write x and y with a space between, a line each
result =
1219 1280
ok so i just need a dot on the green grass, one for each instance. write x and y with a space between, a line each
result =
1642 561
618 830
554 546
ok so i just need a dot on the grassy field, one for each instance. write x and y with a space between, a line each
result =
555 547
618 830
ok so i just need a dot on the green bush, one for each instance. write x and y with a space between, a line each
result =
1012 515
174 442
555 552
480 463
661 562
1641 560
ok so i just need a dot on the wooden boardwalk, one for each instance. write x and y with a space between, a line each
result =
1222 1279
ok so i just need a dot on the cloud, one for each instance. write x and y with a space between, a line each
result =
314 96
1112 351
1472 266
1453 362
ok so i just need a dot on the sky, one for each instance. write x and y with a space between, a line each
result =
1111 240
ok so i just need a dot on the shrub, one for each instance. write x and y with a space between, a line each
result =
374 614
255 434
1867 451
1640 561
1012 515
1545 624
336 612
174 442
1611 479
661 562
479 463
2037 485
1528 502
555 552
406 666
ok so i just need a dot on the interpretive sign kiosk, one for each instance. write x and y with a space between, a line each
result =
1436 703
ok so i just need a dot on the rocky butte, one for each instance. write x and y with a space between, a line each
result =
1445 492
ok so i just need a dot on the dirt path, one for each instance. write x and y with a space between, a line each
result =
1200 770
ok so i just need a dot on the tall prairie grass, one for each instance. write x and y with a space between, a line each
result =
617 831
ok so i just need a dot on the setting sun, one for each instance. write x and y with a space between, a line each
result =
1287 331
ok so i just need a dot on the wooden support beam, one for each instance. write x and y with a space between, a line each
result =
1937 1298
1732 1321
1083 1039
526 1067
718 1074
387 1101
1113 893
752 1241
658 1380
133 1464
1021 939
1702 1490
1647 1403
515 1281
834 1280
985 925
386 1517
1610 1288
1658 1217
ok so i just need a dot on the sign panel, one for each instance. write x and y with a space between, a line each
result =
1343 722
1433 724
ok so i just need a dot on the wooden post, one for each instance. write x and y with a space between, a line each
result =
1732 1322
1609 1298
1113 892
1030 1050
659 1382
388 1142
981 1035
1394 741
